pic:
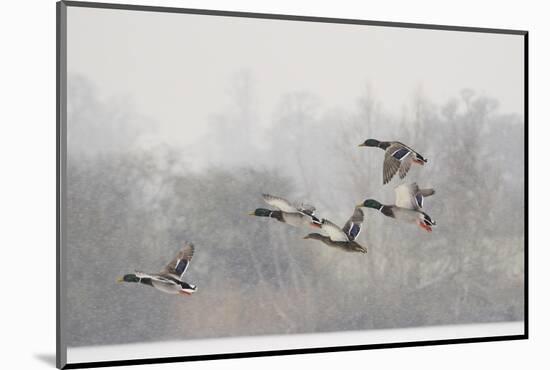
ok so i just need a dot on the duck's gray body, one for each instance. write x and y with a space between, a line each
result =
166 283
407 215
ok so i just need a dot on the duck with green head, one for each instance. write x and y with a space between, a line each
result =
408 206
301 215
169 280
398 157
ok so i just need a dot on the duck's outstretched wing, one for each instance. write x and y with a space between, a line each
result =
405 166
411 196
280 203
142 275
427 192
404 196
285 206
308 209
352 228
398 158
334 232
391 166
180 263
420 194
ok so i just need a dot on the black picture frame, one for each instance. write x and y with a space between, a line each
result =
61 155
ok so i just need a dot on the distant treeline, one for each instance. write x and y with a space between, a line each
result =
132 209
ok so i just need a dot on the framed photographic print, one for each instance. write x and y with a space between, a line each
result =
239 184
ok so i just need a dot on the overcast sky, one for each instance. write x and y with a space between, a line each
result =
178 68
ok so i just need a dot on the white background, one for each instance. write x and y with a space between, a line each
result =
27 188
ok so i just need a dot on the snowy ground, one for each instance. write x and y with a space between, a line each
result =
281 342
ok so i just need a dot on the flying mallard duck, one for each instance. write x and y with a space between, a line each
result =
295 215
409 199
169 279
343 238
398 157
